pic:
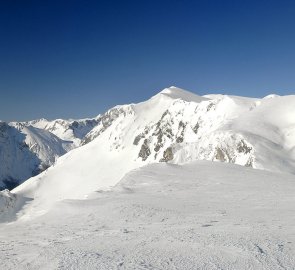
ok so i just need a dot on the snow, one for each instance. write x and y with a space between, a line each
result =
28 148
168 129
68 130
17 162
201 215
271 96
7 201
86 169
46 145
178 93
135 194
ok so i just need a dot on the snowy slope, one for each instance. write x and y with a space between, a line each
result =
68 130
102 162
133 195
46 140
46 145
257 133
201 215
25 151
17 162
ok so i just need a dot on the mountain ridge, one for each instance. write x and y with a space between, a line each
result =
257 133
168 128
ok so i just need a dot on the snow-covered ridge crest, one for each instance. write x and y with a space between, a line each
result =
178 93
174 126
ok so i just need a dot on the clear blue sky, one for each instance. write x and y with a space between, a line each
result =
73 59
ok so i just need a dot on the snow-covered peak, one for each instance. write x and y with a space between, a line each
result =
271 96
178 93
174 126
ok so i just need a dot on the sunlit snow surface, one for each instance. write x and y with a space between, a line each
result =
134 196
202 215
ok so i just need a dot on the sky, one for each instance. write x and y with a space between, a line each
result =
77 58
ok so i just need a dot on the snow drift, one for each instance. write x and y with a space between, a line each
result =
200 215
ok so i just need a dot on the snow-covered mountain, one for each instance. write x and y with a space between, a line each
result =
17 161
26 151
136 195
68 130
173 126
28 148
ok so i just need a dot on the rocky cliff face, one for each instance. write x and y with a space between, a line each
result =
188 131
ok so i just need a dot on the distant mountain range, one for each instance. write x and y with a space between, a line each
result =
174 126
28 148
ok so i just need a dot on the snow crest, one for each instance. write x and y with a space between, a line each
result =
174 126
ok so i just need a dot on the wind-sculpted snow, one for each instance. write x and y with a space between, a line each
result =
201 215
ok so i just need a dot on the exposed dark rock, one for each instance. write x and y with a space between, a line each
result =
160 132
86 140
179 139
243 147
196 128
167 155
159 144
80 129
144 151
164 114
210 106
249 162
75 124
105 121
138 138
181 126
219 155
169 133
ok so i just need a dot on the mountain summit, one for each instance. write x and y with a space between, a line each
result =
174 126
140 177
178 93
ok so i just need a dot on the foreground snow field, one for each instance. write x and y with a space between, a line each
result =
133 194
201 215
